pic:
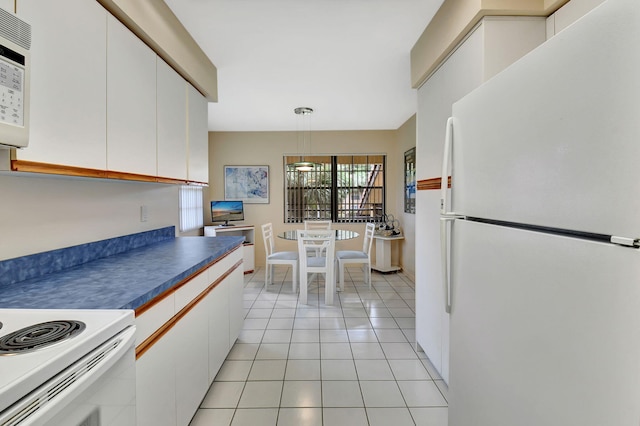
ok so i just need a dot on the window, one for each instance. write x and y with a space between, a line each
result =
190 205
342 188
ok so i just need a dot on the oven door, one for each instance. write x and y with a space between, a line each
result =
97 390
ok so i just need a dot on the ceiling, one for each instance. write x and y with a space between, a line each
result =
346 59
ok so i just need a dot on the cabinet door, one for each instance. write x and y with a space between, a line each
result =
248 258
131 102
192 350
156 383
68 74
172 122
198 136
236 307
218 327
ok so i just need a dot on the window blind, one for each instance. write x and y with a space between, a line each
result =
190 205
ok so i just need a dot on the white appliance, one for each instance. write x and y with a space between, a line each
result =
541 233
15 61
67 367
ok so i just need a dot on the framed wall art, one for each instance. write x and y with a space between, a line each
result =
410 181
247 183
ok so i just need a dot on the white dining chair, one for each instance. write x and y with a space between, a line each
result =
363 257
273 258
316 224
324 241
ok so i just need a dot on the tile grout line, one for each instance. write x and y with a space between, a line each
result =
356 291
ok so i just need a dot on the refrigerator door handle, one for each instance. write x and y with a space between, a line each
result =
446 156
444 257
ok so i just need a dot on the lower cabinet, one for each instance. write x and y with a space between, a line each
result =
236 306
156 384
218 303
179 359
192 361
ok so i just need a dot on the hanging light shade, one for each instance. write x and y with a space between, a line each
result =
304 166
304 140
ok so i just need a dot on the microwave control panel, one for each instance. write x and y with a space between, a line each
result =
11 93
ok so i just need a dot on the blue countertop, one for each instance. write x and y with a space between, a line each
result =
121 281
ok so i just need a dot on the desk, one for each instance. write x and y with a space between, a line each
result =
341 234
248 248
383 253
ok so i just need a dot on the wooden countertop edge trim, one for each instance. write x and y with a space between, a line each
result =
58 169
164 329
151 303
431 184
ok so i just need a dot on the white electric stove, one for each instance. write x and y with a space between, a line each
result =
67 367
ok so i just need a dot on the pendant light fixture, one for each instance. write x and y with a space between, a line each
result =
304 140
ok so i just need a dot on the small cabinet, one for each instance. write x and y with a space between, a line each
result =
131 102
172 122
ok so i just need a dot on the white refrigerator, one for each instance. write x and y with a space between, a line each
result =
540 233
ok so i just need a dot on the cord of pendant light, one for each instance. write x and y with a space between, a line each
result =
304 139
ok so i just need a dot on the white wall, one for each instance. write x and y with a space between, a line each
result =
41 212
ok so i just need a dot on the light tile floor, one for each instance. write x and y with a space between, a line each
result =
350 364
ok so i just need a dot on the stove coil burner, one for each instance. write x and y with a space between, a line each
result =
38 336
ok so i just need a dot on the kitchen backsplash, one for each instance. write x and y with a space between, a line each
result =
36 265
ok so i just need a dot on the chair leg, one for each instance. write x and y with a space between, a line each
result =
266 276
368 273
294 278
329 288
341 267
303 288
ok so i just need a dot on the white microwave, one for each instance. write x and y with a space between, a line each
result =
15 64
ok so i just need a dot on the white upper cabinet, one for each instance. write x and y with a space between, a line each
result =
131 102
7 5
101 99
68 74
198 136
172 122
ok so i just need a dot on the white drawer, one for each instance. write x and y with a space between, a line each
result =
217 270
191 290
152 319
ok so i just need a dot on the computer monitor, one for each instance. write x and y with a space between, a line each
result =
225 211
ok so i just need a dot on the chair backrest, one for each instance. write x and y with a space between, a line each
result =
267 236
317 224
321 240
369 230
